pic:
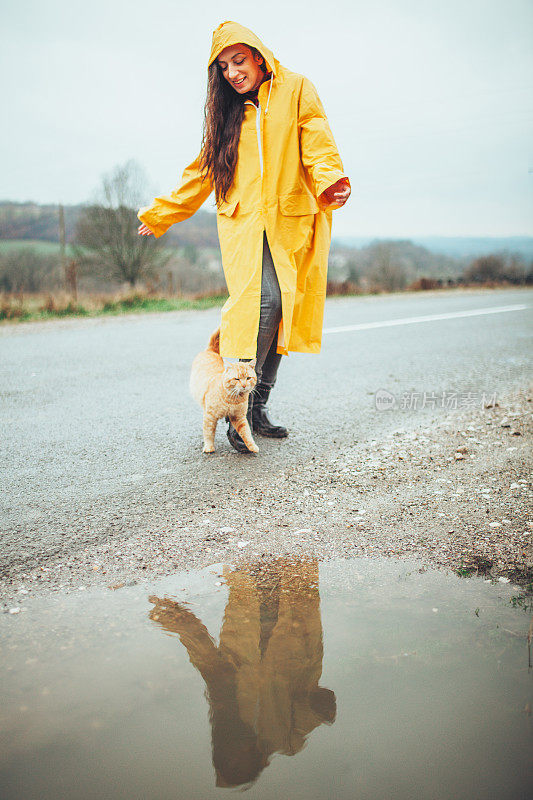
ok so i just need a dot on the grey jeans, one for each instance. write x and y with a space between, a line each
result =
268 359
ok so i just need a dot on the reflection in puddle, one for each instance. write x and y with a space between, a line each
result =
262 679
424 675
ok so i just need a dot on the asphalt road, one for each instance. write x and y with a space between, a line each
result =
98 425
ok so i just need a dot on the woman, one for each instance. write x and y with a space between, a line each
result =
270 157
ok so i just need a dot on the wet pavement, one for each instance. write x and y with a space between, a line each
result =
289 678
101 445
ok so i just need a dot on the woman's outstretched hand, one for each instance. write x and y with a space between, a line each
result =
339 192
144 230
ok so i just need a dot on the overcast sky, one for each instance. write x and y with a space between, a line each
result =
431 104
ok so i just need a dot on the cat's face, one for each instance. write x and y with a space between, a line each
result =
239 379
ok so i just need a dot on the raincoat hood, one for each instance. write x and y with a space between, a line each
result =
231 33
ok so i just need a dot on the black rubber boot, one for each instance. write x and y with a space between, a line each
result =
233 437
260 421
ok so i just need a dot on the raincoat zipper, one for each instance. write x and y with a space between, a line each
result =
258 123
258 130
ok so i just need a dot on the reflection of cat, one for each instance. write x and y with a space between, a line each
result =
222 392
262 679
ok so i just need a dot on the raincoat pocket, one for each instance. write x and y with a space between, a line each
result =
297 205
228 209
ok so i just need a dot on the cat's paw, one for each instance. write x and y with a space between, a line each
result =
208 449
253 448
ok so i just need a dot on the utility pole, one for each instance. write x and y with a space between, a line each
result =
72 279
62 248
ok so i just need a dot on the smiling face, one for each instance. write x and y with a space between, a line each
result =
241 67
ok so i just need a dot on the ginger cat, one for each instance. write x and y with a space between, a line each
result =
222 391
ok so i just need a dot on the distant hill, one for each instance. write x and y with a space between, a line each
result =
34 221
457 246
41 222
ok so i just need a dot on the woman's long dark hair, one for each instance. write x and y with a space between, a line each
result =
223 115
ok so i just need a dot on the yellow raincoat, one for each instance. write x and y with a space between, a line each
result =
287 158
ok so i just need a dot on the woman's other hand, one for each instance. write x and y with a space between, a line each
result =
144 230
338 193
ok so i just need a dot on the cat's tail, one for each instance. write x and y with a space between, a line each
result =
214 342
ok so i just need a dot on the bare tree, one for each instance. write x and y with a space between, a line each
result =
26 269
485 268
496 267
386 269
106 238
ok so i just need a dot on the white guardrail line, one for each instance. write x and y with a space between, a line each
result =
389 323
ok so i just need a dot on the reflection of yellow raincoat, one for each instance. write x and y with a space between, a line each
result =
287 157
263 678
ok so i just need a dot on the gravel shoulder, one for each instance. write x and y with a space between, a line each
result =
456 494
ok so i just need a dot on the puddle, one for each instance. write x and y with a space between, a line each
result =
345 679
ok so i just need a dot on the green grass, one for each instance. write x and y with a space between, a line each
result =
465 572
11 312
140 303
53 248
41 247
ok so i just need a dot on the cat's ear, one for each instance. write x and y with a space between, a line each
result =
252 363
